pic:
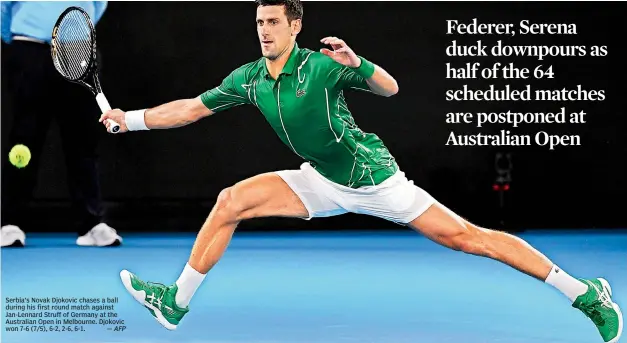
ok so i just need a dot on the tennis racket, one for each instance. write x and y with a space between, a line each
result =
74 54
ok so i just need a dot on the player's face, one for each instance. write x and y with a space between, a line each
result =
274 31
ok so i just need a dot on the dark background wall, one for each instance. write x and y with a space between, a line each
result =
154 52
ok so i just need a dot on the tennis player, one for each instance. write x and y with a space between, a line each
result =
301 93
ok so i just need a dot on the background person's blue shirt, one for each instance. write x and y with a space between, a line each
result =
36 19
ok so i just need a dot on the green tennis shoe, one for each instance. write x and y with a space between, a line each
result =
597 305
157 298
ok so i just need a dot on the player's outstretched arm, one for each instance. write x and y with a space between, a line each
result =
169 115
381 82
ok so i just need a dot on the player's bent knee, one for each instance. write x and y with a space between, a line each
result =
226 205
224 198
237 204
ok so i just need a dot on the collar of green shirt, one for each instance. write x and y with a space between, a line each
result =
290 65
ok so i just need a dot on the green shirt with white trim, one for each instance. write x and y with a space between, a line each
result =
307 109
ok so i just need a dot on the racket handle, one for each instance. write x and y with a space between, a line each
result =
104 107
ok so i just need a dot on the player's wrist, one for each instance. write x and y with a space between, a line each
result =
135 120
365 68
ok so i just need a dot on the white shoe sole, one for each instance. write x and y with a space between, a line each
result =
115 241
616 308
18 242
140 296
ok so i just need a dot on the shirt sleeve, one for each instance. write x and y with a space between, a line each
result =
349 79
227 95
6 21
99 8
353 78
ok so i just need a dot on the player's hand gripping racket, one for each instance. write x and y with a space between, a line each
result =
74 54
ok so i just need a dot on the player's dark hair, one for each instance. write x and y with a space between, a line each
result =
293 8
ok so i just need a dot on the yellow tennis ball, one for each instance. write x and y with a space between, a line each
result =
19 156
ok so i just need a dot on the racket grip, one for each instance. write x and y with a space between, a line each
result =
104 107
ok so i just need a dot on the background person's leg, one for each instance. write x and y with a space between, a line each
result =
80 133
31 120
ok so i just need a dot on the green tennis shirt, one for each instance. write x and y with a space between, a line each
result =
307 109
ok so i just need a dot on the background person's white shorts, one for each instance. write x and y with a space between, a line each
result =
396 199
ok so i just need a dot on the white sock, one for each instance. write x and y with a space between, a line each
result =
571 287
188 283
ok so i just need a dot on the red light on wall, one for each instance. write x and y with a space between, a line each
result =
496 187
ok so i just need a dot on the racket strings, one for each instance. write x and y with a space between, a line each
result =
78 49
73 45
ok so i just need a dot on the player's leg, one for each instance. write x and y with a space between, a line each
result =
441 225
260 196
25 106
265 195
592 297
400 201
283 194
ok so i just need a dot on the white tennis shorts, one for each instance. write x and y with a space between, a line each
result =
396 199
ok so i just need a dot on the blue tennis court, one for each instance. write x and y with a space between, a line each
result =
380 286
